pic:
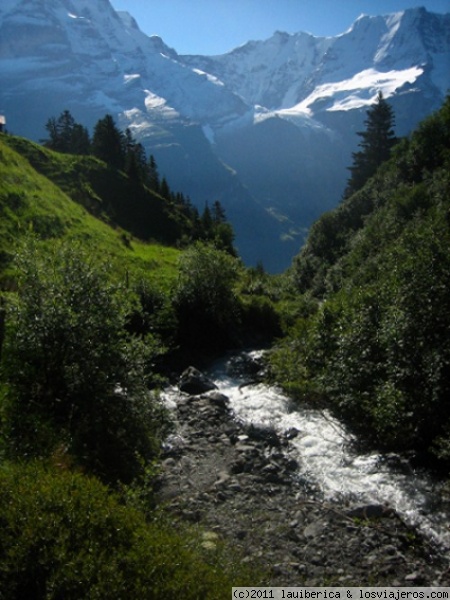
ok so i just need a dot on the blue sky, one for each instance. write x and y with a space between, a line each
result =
217 26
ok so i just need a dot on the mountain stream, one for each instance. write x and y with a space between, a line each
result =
328 459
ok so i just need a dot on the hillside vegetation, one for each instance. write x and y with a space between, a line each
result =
108 283
372 333
69 197
95 295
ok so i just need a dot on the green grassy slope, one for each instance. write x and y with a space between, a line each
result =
106 193
79 199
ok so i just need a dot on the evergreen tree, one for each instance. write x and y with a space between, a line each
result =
215 229
108 143
376 143
218 213
135 159
65 126
80 142
164 189
207 222
53 141
153 175
65 135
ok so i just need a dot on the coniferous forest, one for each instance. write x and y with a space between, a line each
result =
110 281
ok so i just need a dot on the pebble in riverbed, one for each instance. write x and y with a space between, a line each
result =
242 484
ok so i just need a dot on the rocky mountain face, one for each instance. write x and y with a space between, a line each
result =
267 129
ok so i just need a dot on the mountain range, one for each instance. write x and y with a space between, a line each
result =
268 128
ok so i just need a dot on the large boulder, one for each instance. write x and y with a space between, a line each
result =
194 382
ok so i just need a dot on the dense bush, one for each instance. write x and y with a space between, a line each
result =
75 380
260 320
382 352
65 536
206 301
154 313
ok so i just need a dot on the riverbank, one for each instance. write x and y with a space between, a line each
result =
241 485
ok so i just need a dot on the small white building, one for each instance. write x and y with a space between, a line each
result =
2 123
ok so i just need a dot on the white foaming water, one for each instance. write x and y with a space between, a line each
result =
328 460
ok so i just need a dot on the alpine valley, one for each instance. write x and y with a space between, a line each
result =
268 128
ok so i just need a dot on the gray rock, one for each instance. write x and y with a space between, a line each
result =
194 382
218 399
291 433
371 511
291 464
414 577
223 478
267 435
246 448
313 530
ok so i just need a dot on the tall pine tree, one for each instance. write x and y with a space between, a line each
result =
135 159
109 143
153 175
376 143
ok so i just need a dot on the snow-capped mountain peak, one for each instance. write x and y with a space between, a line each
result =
303 73
277 115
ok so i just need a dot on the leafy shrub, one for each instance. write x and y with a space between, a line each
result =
64 536
289 367
155 313
207 305
260 320
76 380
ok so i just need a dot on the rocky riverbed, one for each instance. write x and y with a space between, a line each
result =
241 484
